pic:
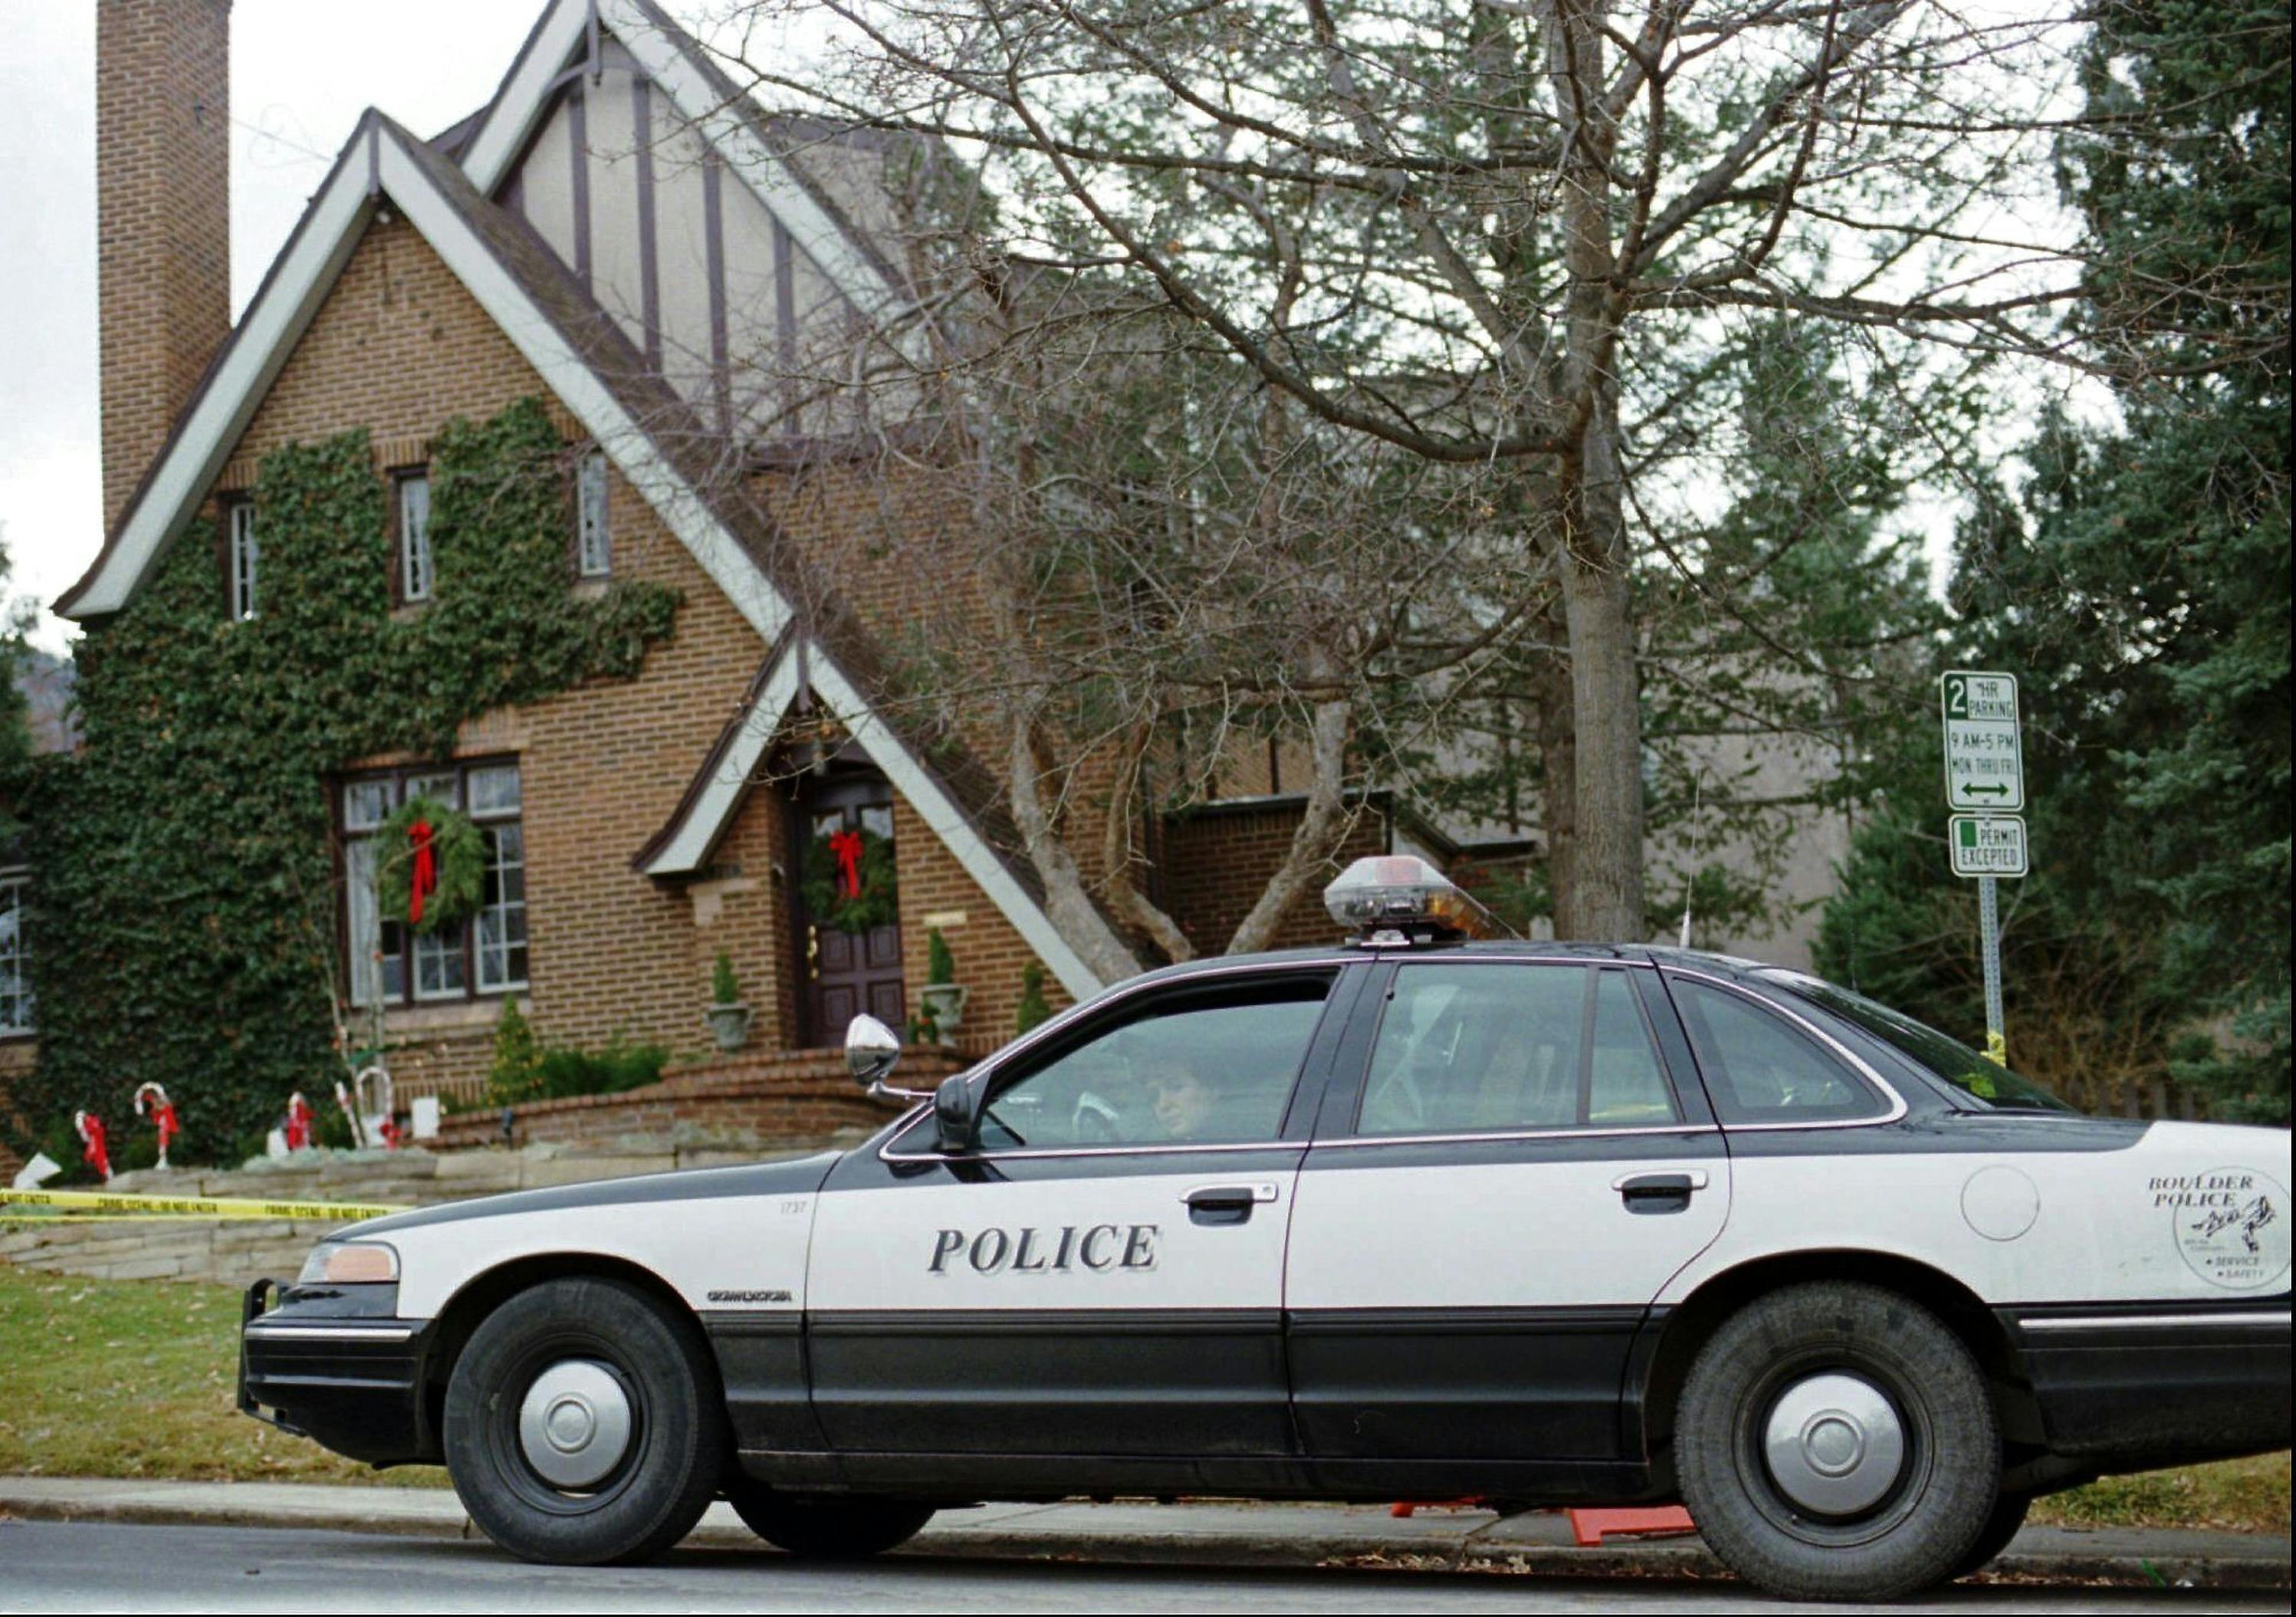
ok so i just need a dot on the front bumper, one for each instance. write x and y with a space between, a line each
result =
2134 1386
333 1364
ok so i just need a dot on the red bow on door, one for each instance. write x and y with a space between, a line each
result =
845 847
424 881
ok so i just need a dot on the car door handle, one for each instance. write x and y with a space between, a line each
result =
1227 1203
1654 1193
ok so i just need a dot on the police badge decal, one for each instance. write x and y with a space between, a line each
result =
2231 1226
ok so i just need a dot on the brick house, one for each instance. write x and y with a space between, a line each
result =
600 237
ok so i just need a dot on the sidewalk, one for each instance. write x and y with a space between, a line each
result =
1201 1534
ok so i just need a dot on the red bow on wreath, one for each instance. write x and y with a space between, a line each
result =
845 847
424 881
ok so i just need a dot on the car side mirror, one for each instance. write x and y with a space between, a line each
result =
955 1116
871 1050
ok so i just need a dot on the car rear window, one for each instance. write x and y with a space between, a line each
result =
1761 1069
1977 1076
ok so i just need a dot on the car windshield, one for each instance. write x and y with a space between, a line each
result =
1977 1075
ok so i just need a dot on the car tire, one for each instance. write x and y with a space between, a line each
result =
2000 1527
1835 1441
826 1529
584 1425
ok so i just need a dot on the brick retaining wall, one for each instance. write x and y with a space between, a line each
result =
782 1095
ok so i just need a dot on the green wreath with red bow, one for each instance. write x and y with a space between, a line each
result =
850 882
430 866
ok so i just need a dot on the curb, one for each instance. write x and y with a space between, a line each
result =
1357 1550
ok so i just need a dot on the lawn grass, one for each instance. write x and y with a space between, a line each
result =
133 1378
2247 1496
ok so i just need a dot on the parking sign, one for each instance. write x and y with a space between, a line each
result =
1987 844
1984 757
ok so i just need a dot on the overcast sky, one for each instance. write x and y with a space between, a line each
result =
301 73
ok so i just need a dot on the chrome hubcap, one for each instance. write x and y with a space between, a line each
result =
574 1426
1835 1444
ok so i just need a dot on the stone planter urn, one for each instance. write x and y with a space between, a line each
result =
943 1003
731 1025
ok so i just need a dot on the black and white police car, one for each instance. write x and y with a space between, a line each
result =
1417 1216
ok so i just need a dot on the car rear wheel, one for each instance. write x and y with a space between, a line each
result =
584 1425
1836 1440
826 1529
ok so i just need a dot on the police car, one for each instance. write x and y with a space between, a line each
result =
1414 1217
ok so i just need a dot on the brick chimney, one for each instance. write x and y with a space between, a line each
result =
163 219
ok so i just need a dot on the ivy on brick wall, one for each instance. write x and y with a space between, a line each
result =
184 894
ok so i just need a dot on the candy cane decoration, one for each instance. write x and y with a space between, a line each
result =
162 1113
90 1129
299 1120
350 1110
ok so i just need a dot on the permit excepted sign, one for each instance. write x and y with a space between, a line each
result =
1984 756
1987 844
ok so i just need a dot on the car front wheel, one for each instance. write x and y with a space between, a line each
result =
1835 1441
826 1529
583 1425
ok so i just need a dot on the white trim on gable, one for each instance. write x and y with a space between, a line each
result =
940 812
194 456
525 97
578 388
712 812
699 101
706 823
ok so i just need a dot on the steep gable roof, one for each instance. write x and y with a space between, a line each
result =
644 427
562 44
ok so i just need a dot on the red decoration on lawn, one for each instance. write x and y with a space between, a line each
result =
845 847
424 881
90 1129
299 1118
161 1111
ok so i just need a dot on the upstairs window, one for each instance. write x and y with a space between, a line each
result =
484 956
594 546
15 981
414 510
239 524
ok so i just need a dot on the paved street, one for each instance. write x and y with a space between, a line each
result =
87 1567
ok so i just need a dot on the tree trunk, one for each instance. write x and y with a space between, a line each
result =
1606 855
1558 797
1067 903
1607 851
1321 826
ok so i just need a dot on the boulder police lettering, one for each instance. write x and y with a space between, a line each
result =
1036 1251
2201 1189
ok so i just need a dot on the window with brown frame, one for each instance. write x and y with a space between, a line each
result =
484 956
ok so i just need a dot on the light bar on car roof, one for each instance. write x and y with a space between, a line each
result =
1403 895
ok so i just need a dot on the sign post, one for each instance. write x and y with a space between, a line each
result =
1985 786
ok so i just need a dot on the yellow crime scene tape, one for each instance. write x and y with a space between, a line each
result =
87 1205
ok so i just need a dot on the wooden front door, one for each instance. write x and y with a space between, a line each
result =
846 972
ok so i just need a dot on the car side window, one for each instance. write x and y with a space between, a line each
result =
1466 1048
1214 1065
1760 1068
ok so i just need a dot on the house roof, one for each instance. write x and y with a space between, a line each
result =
653 437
